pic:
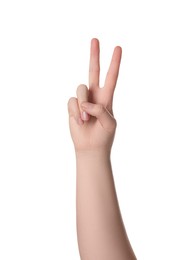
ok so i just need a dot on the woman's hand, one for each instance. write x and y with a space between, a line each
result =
91 120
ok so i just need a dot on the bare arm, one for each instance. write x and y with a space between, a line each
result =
101 233
100 230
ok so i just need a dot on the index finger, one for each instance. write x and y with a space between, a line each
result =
94 64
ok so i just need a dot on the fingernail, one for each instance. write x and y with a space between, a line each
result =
85 116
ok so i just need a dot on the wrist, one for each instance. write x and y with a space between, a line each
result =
96 154
93 161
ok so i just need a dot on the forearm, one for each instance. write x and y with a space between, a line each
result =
100 229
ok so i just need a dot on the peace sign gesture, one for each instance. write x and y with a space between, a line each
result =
91 120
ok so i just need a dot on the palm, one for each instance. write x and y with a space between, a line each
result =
91 134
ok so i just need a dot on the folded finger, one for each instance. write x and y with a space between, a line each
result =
102 114
73 110
82 96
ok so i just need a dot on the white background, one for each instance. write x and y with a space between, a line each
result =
44 56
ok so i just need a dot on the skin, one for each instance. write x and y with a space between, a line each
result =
101 232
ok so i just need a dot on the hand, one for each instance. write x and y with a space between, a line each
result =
91 119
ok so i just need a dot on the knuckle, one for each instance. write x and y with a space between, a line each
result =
70 103
114 123
112 126
81 88
101 109
82 93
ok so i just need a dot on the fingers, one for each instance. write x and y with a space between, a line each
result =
82 95
107 121
73 110
74 105
113 71
94 66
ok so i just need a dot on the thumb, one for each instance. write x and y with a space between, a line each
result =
107 121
